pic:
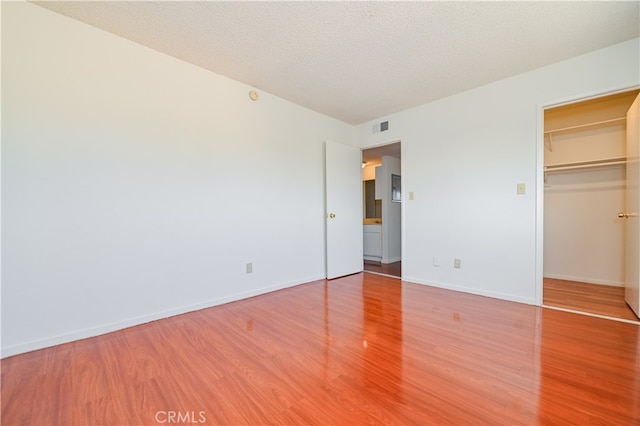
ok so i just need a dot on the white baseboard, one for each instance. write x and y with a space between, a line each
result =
585 280
372 258
131 322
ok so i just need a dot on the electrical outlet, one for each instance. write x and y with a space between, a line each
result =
249 268
456 263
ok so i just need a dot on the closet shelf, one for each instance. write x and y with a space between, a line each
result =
587 125
585 164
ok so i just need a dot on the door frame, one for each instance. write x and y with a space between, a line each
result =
404 198
541 107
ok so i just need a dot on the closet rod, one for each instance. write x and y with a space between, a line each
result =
586 164
580 126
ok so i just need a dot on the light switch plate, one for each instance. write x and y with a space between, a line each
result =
521 188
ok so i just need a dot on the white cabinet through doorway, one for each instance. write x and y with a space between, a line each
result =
372 242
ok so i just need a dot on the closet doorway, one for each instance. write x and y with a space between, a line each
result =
584 190
382 209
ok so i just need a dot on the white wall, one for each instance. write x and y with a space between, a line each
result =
136 186
462 158
391 235
583 237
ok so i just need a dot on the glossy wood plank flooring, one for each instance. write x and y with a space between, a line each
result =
592 298
394 269
360 349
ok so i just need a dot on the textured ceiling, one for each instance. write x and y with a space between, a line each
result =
357 61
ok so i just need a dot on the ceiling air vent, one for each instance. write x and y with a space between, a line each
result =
381 127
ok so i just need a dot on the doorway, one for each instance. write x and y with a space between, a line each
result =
382 209
584 189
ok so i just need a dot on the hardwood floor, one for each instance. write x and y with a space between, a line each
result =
592 298
393 269
360 349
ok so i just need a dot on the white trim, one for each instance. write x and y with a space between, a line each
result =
381 274
542 106
589 314
403 207
594 94
378 145
132 322
539 249
585 280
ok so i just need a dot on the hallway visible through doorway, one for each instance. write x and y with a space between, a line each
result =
390 269
382 209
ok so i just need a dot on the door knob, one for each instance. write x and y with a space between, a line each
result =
625 215
332 215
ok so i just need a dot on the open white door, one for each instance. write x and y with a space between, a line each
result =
343 186
632 231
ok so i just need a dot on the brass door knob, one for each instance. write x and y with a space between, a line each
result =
332 215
